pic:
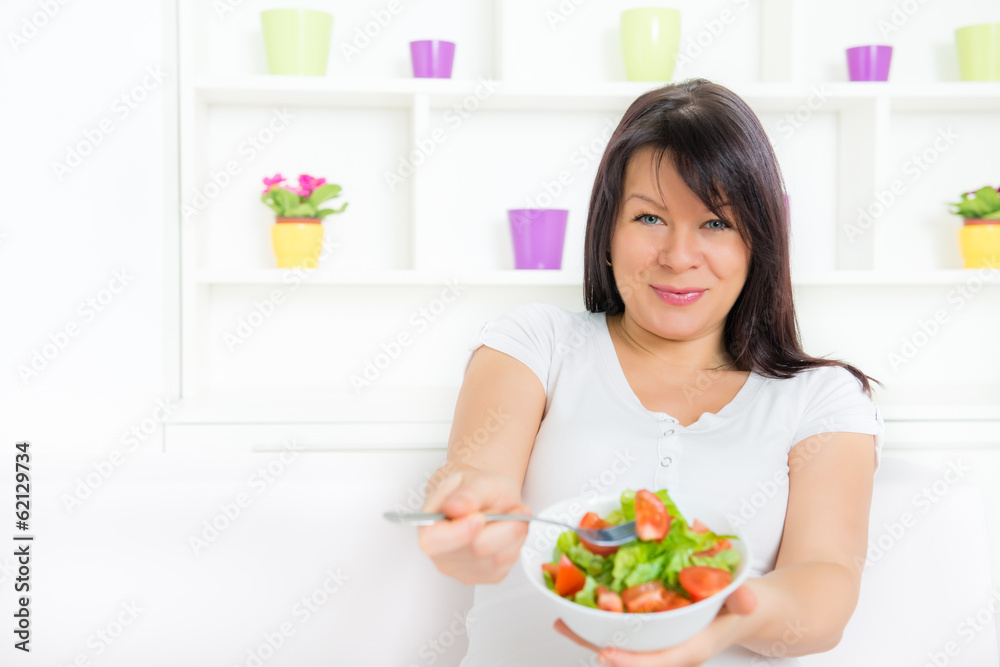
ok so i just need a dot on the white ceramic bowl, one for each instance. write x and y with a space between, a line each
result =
633 632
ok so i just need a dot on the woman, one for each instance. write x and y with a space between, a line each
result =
685 373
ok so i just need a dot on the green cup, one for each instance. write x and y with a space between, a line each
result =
297 40
979 52
651 38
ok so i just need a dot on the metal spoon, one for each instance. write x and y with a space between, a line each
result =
602 537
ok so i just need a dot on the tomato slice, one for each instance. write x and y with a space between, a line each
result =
648 597
676 601
608 600
569 578
652 521
593 520
721 545
701 582
552 569
652 596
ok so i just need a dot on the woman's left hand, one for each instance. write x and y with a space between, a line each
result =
716 637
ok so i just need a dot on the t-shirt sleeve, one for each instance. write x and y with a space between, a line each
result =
525 332
836 402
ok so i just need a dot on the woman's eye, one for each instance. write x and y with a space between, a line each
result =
722 225
648 218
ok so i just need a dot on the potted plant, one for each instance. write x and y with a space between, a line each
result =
297 234
980 235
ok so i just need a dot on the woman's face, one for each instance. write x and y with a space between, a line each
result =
674 243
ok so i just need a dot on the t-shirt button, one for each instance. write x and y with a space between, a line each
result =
666 461
668 431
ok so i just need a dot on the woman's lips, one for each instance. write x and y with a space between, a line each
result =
677 299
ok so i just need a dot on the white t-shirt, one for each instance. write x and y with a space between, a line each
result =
596 437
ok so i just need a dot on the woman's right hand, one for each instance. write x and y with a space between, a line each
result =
466 547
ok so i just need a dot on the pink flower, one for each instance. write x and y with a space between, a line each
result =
269 183
307 184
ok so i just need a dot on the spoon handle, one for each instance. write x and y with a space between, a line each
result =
427 518
415 518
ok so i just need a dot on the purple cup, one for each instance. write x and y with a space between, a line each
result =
538 235
432 58
869 63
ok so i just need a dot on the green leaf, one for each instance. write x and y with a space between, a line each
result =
626 559
615 517
564 544
671 507
587 595
303 210
322 193
728 559
268 199
569 543
989 198
283 201
628 504
984 203
551 585
323 212
644 572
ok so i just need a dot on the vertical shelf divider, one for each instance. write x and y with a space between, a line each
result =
861 163
192 118
883 178
780 41
187 119
171 211
419 215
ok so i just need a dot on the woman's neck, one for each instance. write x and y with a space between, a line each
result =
707 353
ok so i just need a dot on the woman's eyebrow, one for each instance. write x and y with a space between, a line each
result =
639 195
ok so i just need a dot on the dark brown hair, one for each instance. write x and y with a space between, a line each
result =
720 149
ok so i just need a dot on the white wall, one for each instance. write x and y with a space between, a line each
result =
66 237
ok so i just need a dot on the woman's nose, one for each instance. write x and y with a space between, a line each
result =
680 249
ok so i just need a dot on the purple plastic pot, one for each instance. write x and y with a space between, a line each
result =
432 58
538 235
869 63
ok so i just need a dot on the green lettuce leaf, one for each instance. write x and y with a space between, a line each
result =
615 517
628 504
728 559
587 596
591 564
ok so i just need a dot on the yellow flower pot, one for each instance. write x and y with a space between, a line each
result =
297 242
980 243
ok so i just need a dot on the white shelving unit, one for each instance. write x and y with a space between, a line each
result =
531 99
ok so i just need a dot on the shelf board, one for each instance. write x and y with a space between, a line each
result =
322 276
513 278
884 278
422 405
576 96
964 404
437 405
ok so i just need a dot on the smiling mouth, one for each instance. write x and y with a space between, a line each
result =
678 298
680 292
